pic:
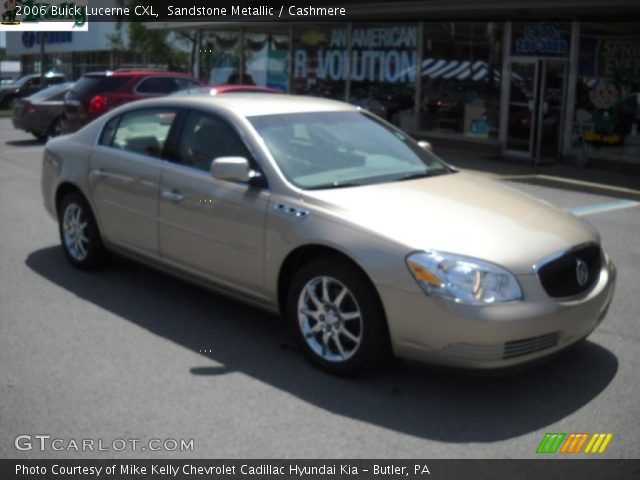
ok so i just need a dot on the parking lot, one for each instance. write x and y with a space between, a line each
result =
128 352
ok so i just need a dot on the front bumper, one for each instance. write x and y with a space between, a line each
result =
442 332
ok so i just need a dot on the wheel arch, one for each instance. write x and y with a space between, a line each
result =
300 255
64 189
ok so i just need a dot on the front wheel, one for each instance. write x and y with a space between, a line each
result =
336 317
79 233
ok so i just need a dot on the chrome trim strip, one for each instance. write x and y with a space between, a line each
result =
604 263
556 255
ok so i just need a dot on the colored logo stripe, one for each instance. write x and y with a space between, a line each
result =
573 442
550 443
598 443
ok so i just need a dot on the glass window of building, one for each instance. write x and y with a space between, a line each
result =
320 60
607 106
220 56
383 69
266 58
460 78
538 80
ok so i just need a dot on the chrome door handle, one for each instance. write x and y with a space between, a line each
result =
173 195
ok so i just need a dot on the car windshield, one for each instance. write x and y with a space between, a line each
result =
317 150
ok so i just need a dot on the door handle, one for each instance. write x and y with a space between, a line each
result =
173 195
99 173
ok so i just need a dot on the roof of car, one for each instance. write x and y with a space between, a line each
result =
46 75
263 103
138 73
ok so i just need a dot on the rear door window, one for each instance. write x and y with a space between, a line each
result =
157 85
143 131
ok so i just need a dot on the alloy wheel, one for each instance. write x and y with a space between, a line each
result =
74 229
330 319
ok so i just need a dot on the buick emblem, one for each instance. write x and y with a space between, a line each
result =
582 272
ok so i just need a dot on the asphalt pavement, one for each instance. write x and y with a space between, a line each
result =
130 353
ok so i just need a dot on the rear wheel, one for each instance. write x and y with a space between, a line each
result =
336 317
55 130
79 233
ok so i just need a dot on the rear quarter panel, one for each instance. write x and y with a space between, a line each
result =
66 160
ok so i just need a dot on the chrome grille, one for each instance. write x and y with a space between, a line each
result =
559 277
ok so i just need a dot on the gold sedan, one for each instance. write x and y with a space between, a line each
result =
365 240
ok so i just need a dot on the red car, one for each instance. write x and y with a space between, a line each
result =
227 88
97 93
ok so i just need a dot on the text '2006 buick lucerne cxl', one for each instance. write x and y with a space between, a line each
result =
363 239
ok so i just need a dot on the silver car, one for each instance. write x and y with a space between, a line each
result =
363 239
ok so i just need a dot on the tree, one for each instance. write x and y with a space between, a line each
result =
146 45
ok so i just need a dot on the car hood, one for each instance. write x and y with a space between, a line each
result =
459 213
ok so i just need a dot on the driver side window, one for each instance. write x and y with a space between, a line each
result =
205 137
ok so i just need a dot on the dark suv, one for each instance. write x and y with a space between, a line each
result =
27 85
97 93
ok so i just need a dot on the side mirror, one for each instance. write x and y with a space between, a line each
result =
235 169
426 145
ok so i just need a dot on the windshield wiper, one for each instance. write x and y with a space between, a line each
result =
326 186
413 176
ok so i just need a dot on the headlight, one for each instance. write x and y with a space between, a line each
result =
463 279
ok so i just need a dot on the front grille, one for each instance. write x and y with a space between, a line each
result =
560 277
518 348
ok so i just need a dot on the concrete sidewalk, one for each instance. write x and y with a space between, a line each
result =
560 175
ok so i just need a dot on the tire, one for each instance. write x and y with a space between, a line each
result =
79 233
55 130
4 103
345 335
41 137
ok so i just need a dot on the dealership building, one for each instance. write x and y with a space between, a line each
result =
71 53
560 86
538 91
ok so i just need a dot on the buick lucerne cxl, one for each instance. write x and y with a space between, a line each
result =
362 238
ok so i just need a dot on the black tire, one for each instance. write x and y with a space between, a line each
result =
373 347
94 250
5 103
55 129
42 137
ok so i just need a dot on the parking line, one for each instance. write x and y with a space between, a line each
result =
602 207
571 181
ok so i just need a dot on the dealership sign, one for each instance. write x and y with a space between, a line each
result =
542 40
31 15
378 54
30 39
